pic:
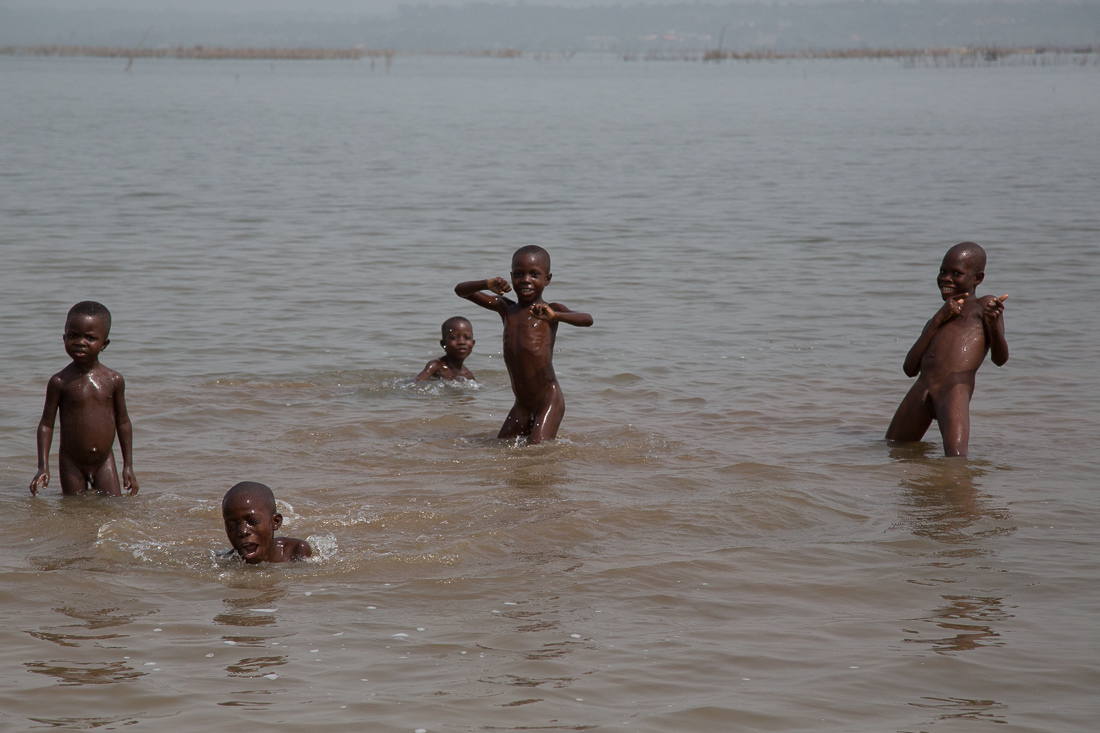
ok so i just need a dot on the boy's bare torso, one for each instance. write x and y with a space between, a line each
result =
529 352
87 414
946 356
956 351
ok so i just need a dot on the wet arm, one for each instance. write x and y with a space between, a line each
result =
993 317
916 353
951 308
45 434
473 291
429 370
125 437
556 312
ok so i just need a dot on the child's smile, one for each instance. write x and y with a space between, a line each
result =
958 276
530 276
459 342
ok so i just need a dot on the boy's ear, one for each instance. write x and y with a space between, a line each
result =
549 276
106 343
979 277
276 520
443 343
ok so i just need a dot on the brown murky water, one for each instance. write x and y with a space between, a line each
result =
720 542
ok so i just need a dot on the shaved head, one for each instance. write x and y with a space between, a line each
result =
93 309
251 490
971 252
454 321
533 249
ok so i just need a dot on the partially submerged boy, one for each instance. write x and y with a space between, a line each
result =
530 327
251 520
93 408
948 353
457 343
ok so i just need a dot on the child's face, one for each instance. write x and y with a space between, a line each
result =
958 276
530 275
250 525
85 337
459 341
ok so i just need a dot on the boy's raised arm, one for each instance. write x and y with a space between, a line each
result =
993 316
125 438
45 435
473 291
558 313
951 308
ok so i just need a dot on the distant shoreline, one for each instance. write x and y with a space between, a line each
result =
984 54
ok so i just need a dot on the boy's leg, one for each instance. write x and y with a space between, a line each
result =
73 478
518 422
548 418
913 416
105 478
953 414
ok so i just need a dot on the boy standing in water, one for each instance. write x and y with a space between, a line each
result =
949 351
457 343
530 326
251 519
93 409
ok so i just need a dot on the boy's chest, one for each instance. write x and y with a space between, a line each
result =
88 389
523 329
964 329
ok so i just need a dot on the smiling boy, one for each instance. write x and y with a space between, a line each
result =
457 343
251 520
530 327
948 353
93 408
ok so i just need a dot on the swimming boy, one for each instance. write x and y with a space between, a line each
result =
93 408
530 327
949 351
457 343
251 520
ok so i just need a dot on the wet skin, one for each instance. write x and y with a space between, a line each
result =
530 327
457 346
947 355
91 400
250 525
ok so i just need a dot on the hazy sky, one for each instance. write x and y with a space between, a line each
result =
356 7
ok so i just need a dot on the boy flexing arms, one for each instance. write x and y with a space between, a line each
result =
530 327
948 353
93 409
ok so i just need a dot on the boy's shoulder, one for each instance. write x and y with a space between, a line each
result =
107 373
294 548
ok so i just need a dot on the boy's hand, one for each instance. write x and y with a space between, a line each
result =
543 312
498 285
41 480
994 309
952 307
129 480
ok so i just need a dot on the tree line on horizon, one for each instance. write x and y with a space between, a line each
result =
844 24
